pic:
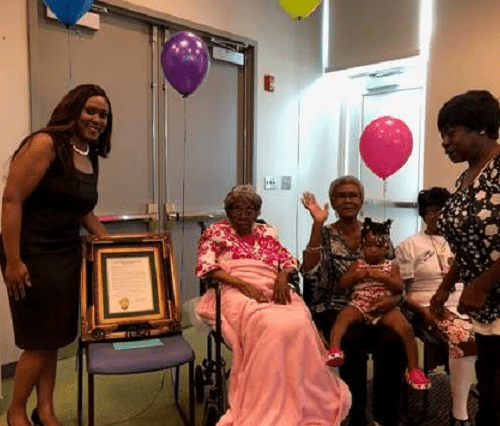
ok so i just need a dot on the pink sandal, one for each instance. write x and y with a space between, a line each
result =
417 379
334 357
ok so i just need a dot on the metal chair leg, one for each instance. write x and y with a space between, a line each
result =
80 382
176 385
91 399
191 393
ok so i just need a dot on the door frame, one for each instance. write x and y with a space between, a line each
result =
160 23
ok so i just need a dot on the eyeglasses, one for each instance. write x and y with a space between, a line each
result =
379 244
346 195
248 211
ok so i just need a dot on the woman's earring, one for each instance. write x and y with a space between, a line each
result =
482 132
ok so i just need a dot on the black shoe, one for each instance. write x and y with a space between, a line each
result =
455 422
35 418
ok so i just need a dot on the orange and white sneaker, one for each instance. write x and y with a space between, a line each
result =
417 379
334 357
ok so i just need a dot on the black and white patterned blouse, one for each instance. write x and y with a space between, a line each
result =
321 289
470 223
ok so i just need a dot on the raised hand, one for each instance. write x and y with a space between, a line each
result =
318 214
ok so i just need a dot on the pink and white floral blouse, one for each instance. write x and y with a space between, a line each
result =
220 242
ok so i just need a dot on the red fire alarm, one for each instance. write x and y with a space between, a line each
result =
269 83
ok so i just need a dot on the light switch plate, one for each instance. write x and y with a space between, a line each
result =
271 182
286 183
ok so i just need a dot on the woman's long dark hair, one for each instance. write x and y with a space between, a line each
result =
61 125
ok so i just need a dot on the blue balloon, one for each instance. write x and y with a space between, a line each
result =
69 11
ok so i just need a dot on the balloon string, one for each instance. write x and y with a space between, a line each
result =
385 193
301 60
183 192
69 58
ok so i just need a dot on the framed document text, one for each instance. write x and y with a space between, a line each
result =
129 287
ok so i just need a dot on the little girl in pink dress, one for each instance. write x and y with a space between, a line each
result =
372 279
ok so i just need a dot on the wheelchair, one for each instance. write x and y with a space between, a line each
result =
212 374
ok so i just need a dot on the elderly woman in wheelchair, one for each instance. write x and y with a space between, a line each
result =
423 261
278 375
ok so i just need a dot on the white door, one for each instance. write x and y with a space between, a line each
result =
397 197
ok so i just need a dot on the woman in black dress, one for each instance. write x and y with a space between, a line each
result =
51 191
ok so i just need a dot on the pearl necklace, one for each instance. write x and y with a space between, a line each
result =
81 151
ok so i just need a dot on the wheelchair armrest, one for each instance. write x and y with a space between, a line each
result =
212 283
206 283
295 282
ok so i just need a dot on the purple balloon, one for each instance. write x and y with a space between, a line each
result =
186 62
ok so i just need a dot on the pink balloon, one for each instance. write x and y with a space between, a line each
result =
385 145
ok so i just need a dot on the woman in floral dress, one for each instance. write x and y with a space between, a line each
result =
469 221
278 376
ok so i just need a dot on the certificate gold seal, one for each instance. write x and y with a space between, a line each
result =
124 303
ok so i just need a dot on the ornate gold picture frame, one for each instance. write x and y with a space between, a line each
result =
129 287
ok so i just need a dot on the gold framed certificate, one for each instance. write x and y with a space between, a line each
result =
129 287
128 284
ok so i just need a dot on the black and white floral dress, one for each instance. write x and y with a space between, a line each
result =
470 222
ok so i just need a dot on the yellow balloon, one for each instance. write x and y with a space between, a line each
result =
299 9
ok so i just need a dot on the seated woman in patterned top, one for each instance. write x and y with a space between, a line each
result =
469 221
278 377
332 248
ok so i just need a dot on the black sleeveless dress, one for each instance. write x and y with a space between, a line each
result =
51 249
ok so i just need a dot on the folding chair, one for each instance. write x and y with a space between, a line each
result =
103 358
103 328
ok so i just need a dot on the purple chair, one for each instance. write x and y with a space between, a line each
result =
103 358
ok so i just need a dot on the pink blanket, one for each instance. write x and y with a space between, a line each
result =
278 375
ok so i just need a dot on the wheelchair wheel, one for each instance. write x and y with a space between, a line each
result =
199 384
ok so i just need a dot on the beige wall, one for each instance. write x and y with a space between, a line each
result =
290 50
14 122
464 55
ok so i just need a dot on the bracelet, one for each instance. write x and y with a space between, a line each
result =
310 249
